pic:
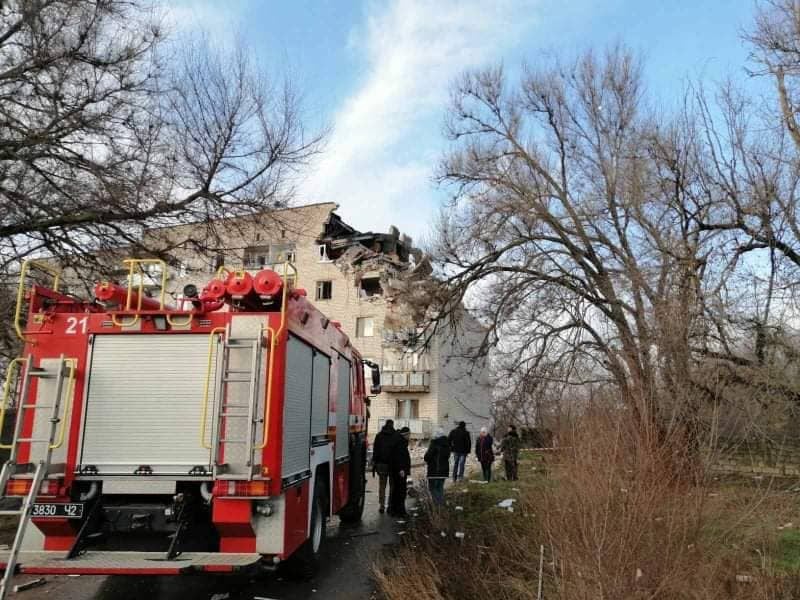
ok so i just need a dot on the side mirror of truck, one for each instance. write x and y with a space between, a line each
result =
375 388
376 380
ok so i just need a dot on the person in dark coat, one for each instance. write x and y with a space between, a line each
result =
381 449
485 452
399 470
460 444
438 459
510 447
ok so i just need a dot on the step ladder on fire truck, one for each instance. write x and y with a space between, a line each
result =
36 473
236 420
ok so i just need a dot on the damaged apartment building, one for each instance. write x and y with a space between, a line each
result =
359 279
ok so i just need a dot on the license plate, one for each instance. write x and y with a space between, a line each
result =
45 510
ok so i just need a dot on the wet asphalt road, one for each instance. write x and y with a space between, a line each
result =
345 572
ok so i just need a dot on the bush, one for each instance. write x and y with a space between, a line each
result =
622 515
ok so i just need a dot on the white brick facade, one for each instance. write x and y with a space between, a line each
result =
454 391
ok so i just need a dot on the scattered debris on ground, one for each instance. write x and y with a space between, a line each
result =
21 587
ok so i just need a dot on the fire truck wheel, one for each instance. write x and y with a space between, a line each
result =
355 508
308 555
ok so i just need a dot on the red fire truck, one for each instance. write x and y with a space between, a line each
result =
214 435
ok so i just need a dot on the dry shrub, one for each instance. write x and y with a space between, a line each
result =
407 575
629 517
494 559
622 514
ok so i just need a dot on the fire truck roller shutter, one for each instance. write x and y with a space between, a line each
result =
297 407
320 394
342 407
144 403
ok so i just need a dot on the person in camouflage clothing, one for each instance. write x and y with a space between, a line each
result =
509 446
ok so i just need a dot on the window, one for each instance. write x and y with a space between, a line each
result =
324 290
370 286
365 327
323 253
258 257
281 253
407 408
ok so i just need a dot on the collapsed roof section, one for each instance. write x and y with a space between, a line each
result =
379 262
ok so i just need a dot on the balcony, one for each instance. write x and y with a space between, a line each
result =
406 381
420 428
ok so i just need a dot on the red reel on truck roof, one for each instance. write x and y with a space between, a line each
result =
239 284
267 283
111 293
214 290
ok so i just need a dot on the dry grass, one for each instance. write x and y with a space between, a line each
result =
620 518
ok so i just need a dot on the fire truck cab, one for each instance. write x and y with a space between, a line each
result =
211 436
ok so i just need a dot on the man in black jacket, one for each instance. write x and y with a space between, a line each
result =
438 459
399 470
460 444
381 450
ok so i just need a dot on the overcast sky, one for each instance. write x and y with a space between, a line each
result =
378 73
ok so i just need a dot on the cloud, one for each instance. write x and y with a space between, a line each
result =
387 134
190 16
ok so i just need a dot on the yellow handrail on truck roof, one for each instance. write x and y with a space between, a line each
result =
27 266
133 263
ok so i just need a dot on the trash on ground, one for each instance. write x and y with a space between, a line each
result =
223 596
514 489
744 579
459 508
29 584
401 522
639 574
402 532
507 503
444 534
459 535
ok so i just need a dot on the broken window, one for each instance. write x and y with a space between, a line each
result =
365 327
370 286
323 253
324 290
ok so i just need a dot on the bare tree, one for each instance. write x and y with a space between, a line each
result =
105 129
575 227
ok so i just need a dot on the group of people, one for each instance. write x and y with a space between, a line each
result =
391 461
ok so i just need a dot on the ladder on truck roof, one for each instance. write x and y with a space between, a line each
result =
65 368
235 422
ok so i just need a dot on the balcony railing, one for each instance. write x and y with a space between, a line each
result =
406 381
420 428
